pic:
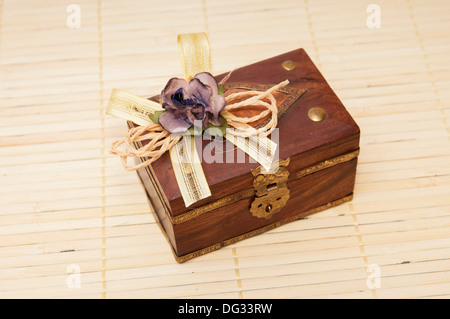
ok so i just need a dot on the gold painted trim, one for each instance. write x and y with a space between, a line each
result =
206 250
251 192
224 201
293 94
327 163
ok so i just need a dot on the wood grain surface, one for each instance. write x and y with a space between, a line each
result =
75 224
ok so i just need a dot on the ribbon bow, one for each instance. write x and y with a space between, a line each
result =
195 58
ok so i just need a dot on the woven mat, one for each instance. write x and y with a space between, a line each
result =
75 224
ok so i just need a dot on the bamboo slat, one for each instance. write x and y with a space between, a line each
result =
67 205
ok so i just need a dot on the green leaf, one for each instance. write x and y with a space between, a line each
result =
195 131
221 89
155 116
218 130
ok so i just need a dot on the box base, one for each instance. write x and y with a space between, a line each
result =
206 250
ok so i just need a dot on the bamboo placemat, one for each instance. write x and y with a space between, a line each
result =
74 223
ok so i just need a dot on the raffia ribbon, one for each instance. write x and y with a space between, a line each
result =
253 98
160 141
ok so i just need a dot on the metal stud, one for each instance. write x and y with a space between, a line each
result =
289 65
317 114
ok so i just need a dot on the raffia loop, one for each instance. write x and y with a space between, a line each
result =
160 141
253 98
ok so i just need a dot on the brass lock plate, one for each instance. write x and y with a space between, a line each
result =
271 190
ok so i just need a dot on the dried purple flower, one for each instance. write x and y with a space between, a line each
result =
189 102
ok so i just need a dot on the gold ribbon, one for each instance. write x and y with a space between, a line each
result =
195 58
131 107
188 171
194 54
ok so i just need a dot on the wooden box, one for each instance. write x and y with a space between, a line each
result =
318 141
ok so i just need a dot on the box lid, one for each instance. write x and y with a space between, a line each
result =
301 138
